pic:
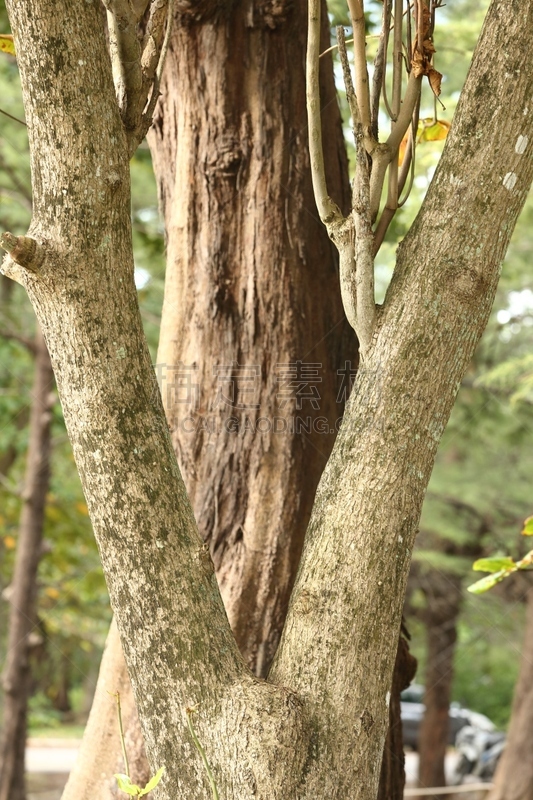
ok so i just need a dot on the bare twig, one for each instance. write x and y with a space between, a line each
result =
125 50
154 72
357 263
362 89
327 208
397 60
380 64
15 119
364 258
348 84
399 129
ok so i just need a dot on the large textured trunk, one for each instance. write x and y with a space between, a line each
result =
16 678
317 727
514 776
443 602
252 397
244 247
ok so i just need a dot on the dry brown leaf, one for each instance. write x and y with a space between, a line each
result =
434 79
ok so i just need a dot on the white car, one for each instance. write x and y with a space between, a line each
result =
413 710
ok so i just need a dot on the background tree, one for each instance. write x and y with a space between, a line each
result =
16 677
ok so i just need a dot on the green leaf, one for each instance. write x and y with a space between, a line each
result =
7 44
125 784
494 564
152 783
488 582
528 527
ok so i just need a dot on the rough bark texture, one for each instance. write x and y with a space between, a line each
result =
514 776
16 678
253 333
351 582
244 247
392 779
443 602
317 729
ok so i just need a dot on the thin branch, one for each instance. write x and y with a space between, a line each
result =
166 40
412 95
333 47
397 60
409 29
393 202
364 258
348 84
327 209
15 119
381 158
125 59
357 263
380 65
362 89
154 74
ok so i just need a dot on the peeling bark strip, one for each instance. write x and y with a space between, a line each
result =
306 734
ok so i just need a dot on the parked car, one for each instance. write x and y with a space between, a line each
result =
413 709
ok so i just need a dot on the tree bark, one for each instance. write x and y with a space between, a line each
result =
443 603
392 779
318 726
244 246
16 678
514 775
252 398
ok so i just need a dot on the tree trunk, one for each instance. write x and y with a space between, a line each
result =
245 246
253 397
392 779
443 602
16 677
514 775
317 727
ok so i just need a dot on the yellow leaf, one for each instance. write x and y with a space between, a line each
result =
51 592
9 542
431 130
7 44
82 508
402 149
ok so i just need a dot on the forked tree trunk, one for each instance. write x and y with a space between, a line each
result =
246 248
514 775
317 727
16 678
